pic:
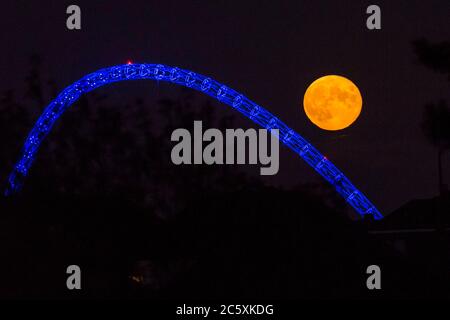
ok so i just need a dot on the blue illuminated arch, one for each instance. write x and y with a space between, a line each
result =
203 84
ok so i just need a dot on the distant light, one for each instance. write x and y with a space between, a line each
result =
129 62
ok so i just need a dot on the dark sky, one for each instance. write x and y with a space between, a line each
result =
271 51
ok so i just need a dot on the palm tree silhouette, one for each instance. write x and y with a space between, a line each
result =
436 119
436 127
435 56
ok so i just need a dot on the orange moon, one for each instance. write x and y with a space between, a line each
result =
332 102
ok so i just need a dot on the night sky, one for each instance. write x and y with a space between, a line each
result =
270 51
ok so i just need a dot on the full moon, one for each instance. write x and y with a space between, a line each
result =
332 102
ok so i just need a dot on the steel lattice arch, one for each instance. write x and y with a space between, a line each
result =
186 78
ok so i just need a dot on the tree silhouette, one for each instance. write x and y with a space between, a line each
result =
435 56
436 126
436 119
